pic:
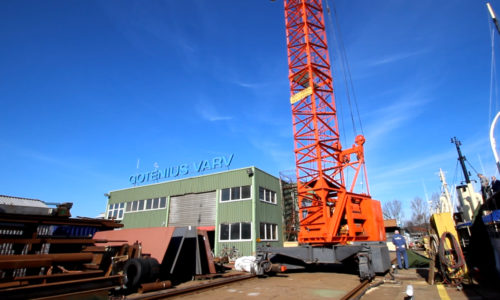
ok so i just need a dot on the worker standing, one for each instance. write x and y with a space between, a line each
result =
400 242
495 185
485 186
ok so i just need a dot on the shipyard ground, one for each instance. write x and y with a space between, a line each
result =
319 285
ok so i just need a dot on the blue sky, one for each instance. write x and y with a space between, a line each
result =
88 88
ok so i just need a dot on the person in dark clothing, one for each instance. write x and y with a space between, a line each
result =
485 186
400 243
495 184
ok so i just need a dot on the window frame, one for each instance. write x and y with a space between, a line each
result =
115 211
230 193
268 193
155 203
263 232
230 228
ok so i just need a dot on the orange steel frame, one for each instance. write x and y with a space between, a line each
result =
330 212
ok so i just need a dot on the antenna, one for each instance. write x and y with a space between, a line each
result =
137 169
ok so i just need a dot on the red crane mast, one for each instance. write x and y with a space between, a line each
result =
330 211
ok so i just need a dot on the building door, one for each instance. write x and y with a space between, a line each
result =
192 210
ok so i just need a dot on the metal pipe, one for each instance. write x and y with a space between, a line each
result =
39 260
189 289
154 286
493 140
277 268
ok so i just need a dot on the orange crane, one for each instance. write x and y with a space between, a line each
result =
332 215
329 210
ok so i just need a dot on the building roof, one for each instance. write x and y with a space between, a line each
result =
18 201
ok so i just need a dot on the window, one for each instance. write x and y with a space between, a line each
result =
115 211
267 195
245 192
141 205
268 232
235 193
120 211
235 231
225 195
224 232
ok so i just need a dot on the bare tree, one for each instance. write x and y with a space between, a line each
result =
435 205
419 211
393 210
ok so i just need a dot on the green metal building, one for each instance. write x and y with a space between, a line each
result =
240 208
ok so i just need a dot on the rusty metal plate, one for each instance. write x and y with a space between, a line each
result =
154 240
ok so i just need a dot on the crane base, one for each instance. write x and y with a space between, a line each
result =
371 257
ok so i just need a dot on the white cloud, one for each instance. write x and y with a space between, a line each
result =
282 157
395 57
60 163
395 115
209 113
250 85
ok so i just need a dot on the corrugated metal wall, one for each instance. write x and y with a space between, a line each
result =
151 218
192 210
235 211
267 212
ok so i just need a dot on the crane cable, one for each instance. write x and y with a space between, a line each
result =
335 42
470 165
346 69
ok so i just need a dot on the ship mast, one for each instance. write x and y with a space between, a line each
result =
461 158
445 199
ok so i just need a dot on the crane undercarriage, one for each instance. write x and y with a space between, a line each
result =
368 257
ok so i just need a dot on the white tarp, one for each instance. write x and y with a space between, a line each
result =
246 264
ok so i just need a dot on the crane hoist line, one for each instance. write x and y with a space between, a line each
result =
336 221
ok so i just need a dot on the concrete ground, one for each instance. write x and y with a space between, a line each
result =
317 285
285 286
396 289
